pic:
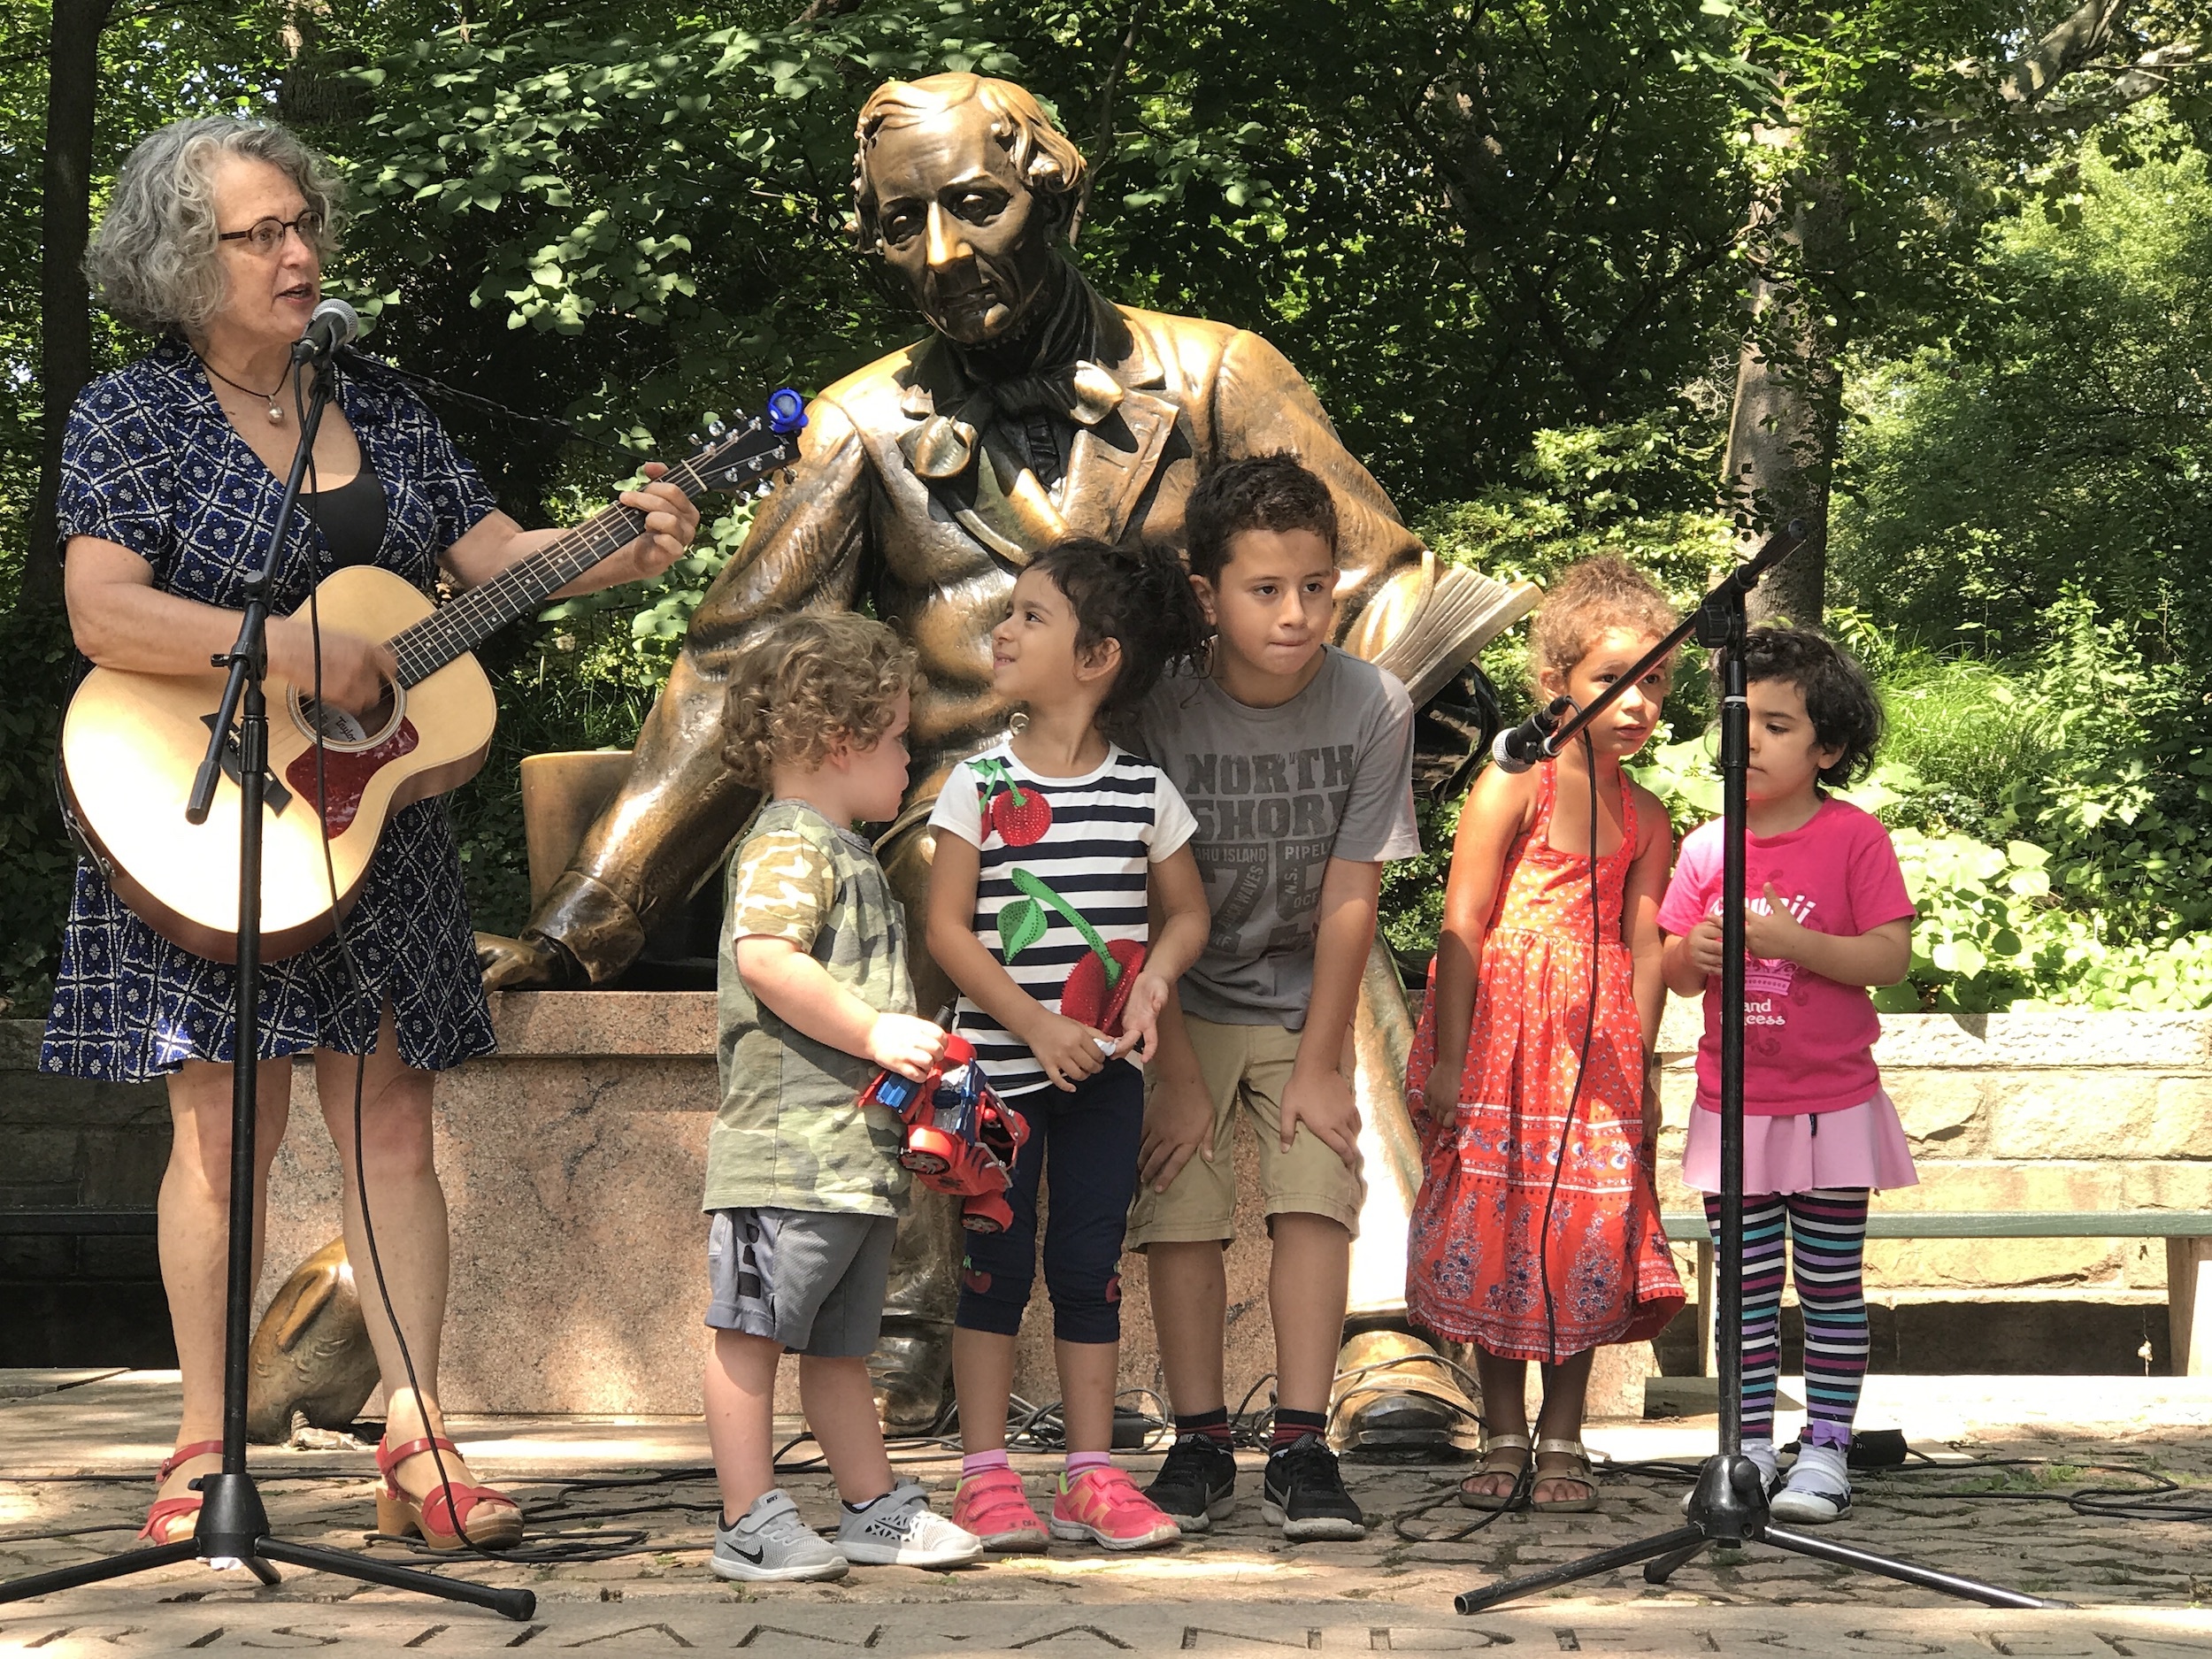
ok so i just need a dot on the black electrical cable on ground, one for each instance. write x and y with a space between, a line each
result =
2164 1499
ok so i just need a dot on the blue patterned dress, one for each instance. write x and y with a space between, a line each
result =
151 462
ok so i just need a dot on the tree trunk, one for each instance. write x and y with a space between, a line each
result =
1783 429
65 303
316 92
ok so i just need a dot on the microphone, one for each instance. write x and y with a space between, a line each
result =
334 324
1520 746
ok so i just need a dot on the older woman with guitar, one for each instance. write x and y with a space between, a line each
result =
214 243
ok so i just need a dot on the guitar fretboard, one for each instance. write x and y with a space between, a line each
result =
523 588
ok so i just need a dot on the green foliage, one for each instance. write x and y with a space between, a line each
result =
39 862
1411 913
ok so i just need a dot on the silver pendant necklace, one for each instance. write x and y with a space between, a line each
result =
276 410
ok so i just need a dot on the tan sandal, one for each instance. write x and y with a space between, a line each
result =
1522 1473
1582 1475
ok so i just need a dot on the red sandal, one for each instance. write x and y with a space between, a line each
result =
442 1519
167 1509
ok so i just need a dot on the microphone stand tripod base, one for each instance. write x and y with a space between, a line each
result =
1729 1513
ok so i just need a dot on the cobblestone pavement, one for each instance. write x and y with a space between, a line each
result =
77 1459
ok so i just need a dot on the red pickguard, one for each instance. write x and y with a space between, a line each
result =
347 772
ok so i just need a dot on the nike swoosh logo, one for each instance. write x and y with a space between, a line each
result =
754 1555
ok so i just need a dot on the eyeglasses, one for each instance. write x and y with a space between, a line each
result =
265 236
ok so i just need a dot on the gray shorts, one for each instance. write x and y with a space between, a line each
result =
813 1281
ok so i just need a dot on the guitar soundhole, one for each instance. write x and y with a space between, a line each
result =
342 728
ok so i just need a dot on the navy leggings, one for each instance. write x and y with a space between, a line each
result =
1090 1139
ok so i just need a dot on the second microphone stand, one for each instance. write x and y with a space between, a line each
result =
233 1527
1728 1506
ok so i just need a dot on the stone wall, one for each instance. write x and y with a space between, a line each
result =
2066 1111
81 1287
573 1164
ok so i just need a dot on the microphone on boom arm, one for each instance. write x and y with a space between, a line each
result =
1520 746
334 324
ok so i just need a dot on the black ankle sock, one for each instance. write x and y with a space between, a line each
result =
1291 1427
1213 1424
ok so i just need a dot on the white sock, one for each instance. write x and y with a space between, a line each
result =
1761 1452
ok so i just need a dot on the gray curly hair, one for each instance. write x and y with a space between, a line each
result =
1046 158
153 261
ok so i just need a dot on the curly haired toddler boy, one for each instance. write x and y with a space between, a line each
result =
803 1182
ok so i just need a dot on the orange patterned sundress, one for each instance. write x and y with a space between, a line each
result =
1472 1267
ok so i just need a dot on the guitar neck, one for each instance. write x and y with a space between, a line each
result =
522 589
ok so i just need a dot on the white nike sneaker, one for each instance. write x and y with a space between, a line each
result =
769 1543
900 1530
1818 1489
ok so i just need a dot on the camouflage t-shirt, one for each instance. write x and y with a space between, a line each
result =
791 1134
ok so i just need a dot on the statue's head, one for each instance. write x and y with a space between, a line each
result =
962 184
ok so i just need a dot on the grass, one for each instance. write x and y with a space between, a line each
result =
1970 733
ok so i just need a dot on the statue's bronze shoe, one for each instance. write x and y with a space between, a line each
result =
1396 1398
309 1359
912 1370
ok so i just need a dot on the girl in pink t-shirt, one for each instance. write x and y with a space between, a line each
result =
1826 916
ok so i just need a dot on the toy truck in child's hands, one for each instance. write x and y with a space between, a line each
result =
961 1138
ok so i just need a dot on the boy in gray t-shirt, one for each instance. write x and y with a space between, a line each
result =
1296 760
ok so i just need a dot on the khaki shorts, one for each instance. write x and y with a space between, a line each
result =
1250 1064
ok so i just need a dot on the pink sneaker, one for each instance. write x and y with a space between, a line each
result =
994 1507
1103 1507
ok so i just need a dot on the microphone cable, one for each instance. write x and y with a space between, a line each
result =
357 983
1525 1485
1582 1070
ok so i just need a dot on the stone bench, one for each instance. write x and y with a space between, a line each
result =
2187 1233
2046 1112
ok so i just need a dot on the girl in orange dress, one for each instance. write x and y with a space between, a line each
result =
1536 1234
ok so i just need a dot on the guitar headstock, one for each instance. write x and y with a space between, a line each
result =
735 457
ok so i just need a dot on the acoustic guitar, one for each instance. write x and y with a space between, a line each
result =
131 742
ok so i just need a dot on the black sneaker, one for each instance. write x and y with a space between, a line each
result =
1305 1496
1197 1483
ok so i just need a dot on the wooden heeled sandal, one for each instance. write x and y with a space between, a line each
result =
442 1519
167 1509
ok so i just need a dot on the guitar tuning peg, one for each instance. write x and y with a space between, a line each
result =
790 475
715 429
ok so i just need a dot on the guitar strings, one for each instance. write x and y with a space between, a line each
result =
428 645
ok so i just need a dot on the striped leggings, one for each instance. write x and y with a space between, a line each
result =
1827 1229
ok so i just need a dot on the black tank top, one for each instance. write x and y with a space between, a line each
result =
351 516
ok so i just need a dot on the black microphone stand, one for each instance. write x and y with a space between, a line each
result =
1728 1507
233 1527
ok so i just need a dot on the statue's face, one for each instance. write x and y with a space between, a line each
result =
961 225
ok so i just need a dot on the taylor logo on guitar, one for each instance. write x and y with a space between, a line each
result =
131 742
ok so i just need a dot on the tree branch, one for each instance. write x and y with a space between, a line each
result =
1102 146
2029 78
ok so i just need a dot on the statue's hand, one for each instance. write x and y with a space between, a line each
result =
533 963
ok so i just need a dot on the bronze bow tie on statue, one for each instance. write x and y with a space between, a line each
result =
943 446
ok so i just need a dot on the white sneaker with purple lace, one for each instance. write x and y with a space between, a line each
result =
1818 1489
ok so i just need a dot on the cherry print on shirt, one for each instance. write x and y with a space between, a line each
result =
1088 997
1020 816
1097 988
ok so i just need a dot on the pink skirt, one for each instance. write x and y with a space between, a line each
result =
1860 1146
